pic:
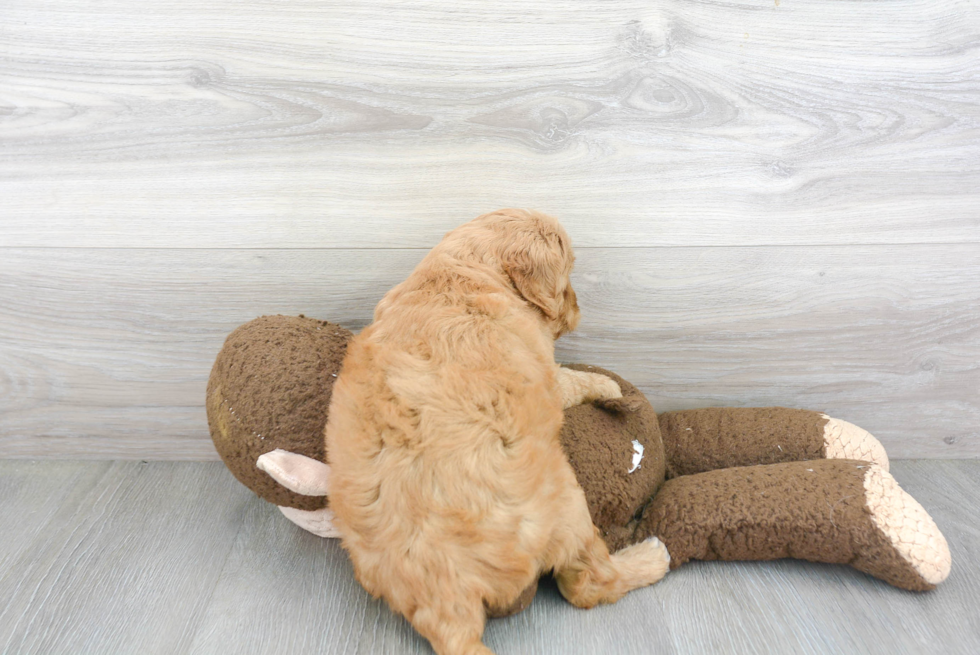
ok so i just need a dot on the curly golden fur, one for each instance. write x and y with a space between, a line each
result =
450 487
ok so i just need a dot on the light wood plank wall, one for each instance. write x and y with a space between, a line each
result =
773 202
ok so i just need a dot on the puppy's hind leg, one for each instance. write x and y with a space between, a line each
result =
593 576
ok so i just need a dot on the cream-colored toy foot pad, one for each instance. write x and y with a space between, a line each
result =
911 530
318 521
845 440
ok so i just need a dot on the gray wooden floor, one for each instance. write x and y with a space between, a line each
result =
177 557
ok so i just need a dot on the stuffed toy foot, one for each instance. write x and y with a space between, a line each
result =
843 440
833 510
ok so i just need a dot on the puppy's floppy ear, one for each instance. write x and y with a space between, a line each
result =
536 264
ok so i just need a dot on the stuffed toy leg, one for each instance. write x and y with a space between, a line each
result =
767 483
701 440
839 511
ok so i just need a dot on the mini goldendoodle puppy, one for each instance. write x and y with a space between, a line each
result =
449 483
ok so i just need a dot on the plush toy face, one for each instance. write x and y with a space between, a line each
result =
618 458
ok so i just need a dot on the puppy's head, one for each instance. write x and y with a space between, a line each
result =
534 252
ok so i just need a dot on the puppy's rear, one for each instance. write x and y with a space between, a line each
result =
450 486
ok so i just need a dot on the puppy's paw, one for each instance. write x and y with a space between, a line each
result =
647 561
621 405
603 388
579 387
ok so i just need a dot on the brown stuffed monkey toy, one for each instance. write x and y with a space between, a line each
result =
711 484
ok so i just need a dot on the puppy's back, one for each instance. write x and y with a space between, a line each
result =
443 422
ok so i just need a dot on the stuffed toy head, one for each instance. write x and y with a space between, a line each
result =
270 388
618 456
716 483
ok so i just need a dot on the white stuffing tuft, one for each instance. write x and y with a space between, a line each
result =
637 455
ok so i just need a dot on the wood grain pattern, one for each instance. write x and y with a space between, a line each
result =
783 198
106 352
176 558
383 124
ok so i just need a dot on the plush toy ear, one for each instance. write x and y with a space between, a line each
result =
296 472
318 521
